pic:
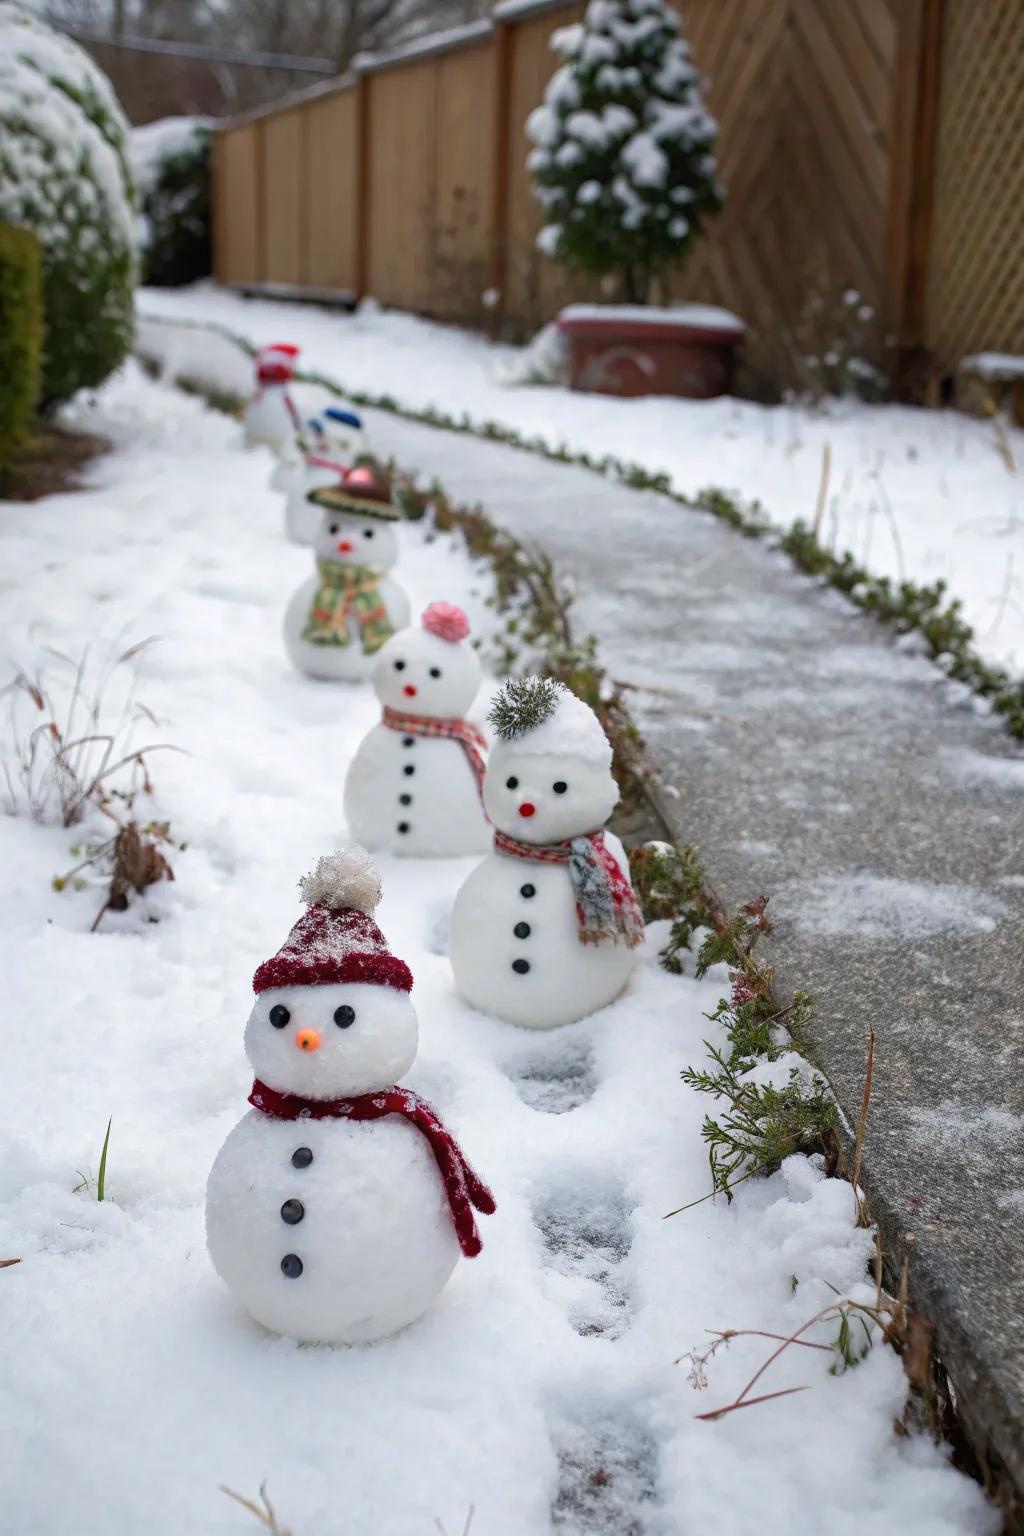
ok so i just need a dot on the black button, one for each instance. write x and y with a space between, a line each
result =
409 768
292 1212
301 1157
405 799
520 967
403 826
527 891
408 741
291 1265
521 930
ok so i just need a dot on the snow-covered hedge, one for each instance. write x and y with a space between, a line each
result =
21 336
64 175
624 161
171 163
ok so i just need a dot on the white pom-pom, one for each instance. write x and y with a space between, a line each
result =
346 878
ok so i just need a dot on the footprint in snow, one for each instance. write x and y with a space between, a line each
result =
587 1237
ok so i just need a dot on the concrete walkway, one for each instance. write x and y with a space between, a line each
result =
814 760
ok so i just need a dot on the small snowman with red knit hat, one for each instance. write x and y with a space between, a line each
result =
340 618
270 416
415 785
339 1206
546 929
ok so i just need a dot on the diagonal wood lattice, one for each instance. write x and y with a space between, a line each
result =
975 287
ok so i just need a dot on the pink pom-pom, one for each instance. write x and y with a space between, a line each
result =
361 475
446 621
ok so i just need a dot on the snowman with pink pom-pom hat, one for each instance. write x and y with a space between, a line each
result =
414 786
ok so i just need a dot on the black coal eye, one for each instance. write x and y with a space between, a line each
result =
435 671
279 1016
512 783
332 528
399 666
344 1016
560 788
368 533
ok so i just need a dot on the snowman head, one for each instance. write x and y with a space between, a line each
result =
357 521
332 1016
549 775
429 669
275 363
345 433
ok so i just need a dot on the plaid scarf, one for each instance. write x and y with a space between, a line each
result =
469 738
344 592
606 907
462 1186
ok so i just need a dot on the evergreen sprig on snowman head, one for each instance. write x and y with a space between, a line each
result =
624 160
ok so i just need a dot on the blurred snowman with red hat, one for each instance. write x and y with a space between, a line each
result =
271 416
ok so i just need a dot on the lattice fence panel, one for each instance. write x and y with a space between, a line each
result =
975 287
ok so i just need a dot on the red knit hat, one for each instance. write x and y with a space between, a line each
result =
336 939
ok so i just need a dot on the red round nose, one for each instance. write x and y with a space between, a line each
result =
345 548
526 809
409 691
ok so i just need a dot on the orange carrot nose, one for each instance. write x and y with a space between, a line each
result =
308 1039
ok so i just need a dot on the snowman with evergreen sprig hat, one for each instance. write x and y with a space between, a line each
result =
340 618
271 416
339 1206
546 929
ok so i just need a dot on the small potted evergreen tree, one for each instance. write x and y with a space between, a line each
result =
624 167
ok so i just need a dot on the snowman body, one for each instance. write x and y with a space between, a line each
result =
512 910
301 516
408 792
343 539
516 947
375 1239
270 418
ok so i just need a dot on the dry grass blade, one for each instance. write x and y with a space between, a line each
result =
7 1263
826 471
265 1514
862 1122
465 1529
750 1402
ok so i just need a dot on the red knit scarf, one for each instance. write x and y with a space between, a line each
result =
462 1186
606 907
469 738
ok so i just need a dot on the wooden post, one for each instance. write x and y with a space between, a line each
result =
364 210
501 130
915 120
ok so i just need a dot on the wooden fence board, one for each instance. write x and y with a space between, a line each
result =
333 151
284 211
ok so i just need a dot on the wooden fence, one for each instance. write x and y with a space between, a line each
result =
865 144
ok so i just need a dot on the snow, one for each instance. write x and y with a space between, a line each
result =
872 906
1001 366
913 494
132 1387
709 317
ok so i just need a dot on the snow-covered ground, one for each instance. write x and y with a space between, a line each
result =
913 494
542 1392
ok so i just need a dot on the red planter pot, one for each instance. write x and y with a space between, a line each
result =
629 350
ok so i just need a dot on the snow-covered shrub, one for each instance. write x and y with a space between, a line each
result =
21 336
624 160
171 164
64 175
839 336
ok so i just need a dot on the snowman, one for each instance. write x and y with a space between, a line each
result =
545 930
346 437
338 620
316 469
270 416
338 1207
415 783
310 438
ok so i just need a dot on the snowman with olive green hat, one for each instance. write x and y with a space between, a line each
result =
546 929
338 620
339 1206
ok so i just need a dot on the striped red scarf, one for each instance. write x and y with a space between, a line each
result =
606 907
469 738
462 1186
